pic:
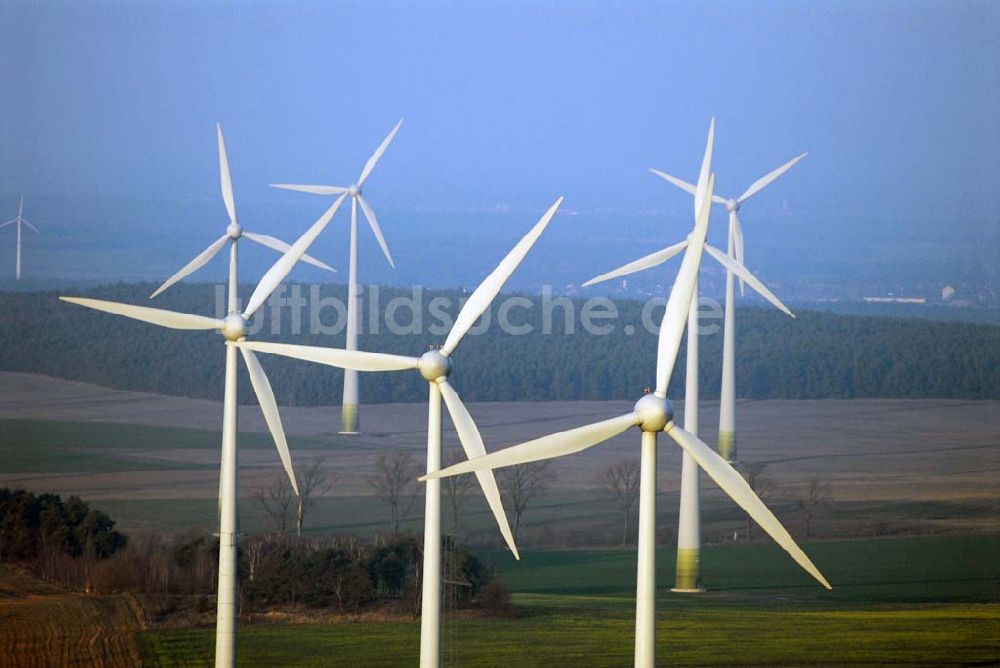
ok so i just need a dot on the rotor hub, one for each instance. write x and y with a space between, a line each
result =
234 327
732 205
234 231
354 190
434 365
654 413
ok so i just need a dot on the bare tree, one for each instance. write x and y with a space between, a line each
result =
522 483
621 480
275 499
761 484
394 481
815 495
314 482
456 488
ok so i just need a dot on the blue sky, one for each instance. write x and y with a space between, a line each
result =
513 103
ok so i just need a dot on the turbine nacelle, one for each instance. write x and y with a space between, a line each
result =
234 231
732 205
434 366
234 327
354 190
654 413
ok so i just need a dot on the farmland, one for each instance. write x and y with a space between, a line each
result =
909 536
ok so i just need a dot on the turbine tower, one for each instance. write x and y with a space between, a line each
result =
653 413
19 221
734 250
233 328
435 366
688 570
349 406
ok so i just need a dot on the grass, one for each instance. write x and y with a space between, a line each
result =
929 601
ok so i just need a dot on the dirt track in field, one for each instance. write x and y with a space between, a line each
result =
44 625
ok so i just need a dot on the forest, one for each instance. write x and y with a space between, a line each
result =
817 355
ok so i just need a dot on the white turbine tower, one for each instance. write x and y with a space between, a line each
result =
349 407
435 366
234 231
653 414
727 405
688 571
233 328
19 221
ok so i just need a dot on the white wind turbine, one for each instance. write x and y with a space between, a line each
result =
233 328
435 366
349 405
734 250
234 231
688 569
20 220
652 414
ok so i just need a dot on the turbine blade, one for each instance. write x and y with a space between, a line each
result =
269 407
472 443
765 180
546 447
280 246
194 265
315 190
676 313
377 155
647 262
719 199
224 176
683 185
483 296
376 230
738 247
344 359
733 484
23 220
741 271
280 269
9 222
706 169
156 316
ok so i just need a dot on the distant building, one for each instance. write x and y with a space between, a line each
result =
895 300
947 292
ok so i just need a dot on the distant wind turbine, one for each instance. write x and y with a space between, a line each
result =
653 413
688 570
727 406
234 231
349 407
20 220
435 366
233 328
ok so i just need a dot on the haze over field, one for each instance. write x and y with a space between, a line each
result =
108 112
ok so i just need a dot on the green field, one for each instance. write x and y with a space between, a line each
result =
928 601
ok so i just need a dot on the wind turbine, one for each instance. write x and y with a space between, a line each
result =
233 328
20 220
234 231
688 571
734 250
653 413
435 366
349 405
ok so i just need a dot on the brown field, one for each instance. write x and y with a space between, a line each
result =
919 465
45 625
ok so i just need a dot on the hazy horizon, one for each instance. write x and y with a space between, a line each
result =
109 113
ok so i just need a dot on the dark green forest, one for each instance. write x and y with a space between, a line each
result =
817 355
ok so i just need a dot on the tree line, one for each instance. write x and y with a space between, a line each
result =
69 543
818 355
